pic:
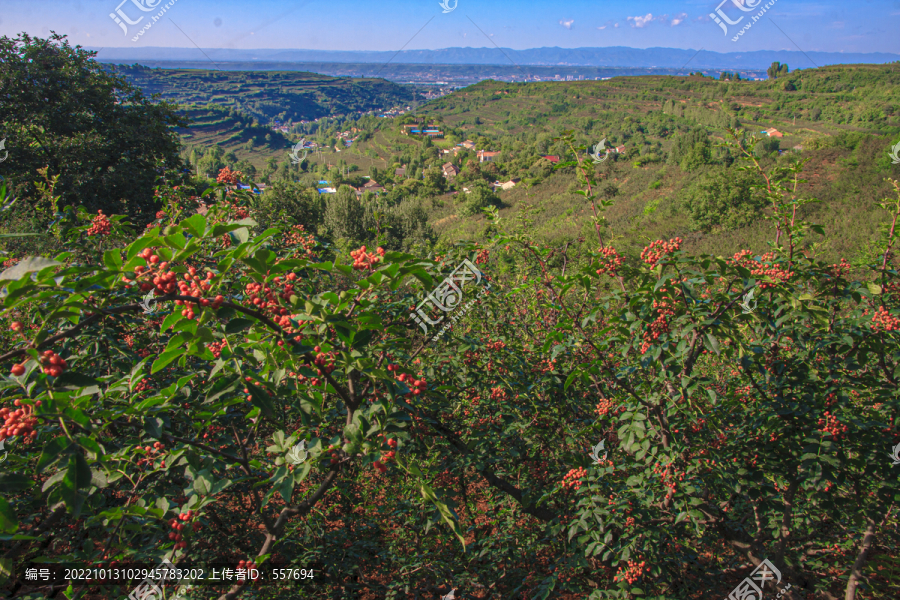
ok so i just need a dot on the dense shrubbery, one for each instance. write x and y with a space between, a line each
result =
733 436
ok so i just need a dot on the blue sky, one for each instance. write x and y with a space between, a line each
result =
814 25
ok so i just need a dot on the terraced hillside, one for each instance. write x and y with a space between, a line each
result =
844 119
267 95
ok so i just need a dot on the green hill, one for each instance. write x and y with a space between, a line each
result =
267 95
843 119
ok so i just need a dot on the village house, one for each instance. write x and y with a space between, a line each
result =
486 156
552 158
401 172
772 132
469 144
450 170
372 186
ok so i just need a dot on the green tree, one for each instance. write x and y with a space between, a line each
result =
722 197
480 196
105 140
344 215
777 70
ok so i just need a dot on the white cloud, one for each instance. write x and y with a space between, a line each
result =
607 24
567 24
616 26
649 18
679 18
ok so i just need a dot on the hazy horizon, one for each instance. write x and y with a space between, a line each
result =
795 25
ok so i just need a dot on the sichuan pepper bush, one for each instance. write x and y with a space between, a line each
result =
730 437
125 419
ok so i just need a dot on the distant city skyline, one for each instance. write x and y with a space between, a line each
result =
804 25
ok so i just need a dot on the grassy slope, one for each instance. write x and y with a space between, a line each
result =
847 179
846 175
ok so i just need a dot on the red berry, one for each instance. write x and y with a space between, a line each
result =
18 370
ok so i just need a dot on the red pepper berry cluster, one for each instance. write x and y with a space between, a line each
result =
482 257
380 467
885 321
179 524
143 385
572 479
668 477
18 422
194 285
609 261
157 447
416 386
266 298
100 225
832 426
212 430
632 572
297 236
160 214
216 348
52 363
228 176
363 260
390 455
334 454
659 249
17 326
840 270
324 361
498 394
605 406
248 566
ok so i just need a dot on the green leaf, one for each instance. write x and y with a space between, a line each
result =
713 343
195 224
261 399
27 265
8 521
286 488
165 358
874 288
445 511
74 381
235 325
15 482
113 259
51 451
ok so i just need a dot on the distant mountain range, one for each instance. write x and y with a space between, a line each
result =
614 56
